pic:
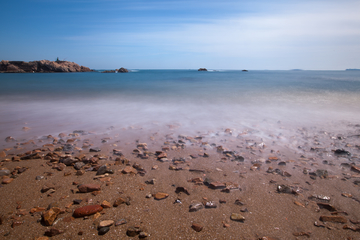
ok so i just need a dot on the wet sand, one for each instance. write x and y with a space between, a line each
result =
241 171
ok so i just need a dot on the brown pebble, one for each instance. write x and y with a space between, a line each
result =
159 196
85 188
16 223
106 204
7 180
337 219
197 227
49 216
87 210
53 232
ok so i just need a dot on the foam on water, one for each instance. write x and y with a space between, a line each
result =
190 100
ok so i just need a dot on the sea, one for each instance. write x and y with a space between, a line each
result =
186 101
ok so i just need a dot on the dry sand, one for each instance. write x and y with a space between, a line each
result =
253 183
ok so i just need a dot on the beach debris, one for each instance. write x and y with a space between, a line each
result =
129 170
94 149
196 206
143 235
285 189
299 234
120 222
237 217
197 227
348 195
355 168
299 203
341 152
87 210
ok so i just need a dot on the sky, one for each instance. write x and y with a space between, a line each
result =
184 34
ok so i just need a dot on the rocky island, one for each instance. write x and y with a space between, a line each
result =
120 70
42 66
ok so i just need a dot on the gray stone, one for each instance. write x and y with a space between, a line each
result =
103 230
4 172
196 207
102 170
79 165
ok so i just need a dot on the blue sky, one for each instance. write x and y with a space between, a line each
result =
181 34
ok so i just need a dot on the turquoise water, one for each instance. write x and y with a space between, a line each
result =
50 103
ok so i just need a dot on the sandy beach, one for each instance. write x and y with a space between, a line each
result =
221 184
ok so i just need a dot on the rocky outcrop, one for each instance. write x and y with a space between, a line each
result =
202 69
42 66
120 70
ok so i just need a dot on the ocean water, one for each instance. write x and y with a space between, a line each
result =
187 100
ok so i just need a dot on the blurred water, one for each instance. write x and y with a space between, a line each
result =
60 102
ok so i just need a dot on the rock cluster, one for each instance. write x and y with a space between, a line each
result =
42 66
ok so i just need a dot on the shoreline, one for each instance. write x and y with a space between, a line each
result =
238 171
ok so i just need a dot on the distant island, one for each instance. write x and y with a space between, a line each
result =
352 69
42 66
120 70
202 69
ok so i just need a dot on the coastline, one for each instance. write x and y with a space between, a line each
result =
251 185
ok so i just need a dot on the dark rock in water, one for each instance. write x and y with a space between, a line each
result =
79 165
122 70
68 147
196 207
103 230
96 149
202 69
102 170
82 132
342 152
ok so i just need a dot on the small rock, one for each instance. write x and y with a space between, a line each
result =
53 232
128 170
196 207
237 217
106 204
120 222
96 149
337 219
182 189
87 210
282 163
285 189
103 230
120 201
217 185
348 195
106 223
133 231
102 170
16 223
4 172
85 188
327 206
322 198
159 196
49 216
197 227
7 180
143 235
355 168
210 204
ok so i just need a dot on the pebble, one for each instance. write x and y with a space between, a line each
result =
210 204
7 180
182 189
337 219
160 195
120 222
133 231
196 207
53 232
128 170
4 172
106 223
85 188
49 216
96 149
87 210
143 235
103 230
237 217
197 227
106 204
120 201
